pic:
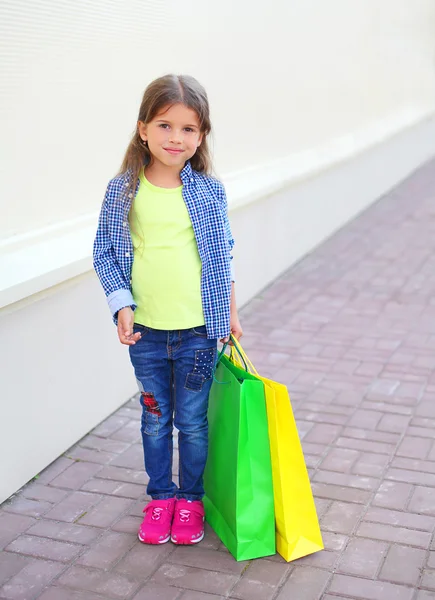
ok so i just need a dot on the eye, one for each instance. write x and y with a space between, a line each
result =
188 129
164 125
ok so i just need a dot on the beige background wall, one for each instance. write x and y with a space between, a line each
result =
318 108
282 77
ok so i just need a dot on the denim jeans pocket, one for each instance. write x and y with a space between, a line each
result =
142 329
202 369
199 331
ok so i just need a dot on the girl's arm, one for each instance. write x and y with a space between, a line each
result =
236 328
108 270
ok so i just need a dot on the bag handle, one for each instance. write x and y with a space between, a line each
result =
235 358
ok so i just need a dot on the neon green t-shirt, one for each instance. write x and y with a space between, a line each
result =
166 274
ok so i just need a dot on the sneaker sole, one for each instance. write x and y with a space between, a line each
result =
187 543
154 543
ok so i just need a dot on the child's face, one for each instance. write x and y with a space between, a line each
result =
173 135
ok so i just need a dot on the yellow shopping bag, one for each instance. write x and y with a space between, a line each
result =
297 526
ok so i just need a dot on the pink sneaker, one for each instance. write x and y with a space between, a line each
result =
188 524
156 527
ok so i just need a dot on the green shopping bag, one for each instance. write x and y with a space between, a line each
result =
238 476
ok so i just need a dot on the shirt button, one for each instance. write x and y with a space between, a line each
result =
126 184
124 224
130 195
127 254
191 180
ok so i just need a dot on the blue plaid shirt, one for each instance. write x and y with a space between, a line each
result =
207 206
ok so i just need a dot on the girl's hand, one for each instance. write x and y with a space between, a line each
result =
125 327
236 329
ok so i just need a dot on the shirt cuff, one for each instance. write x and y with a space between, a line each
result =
120 299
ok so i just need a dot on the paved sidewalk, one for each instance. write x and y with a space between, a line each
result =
351 330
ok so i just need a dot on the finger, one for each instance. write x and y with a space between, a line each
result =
126 341
224 340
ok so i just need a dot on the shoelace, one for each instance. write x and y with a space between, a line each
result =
184 515
156 514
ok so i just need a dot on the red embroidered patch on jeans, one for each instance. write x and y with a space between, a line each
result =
151 404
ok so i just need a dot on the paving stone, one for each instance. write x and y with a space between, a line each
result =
11 526
44 548
190 595
340 459
123 474
54 469
191 578
114 488
416 477
305 582
346 480
91 456
129 433
106 512
142 560
403 519
107 584
403 565
322 505
414 447
323 433
31 580
109 426
425 595
38 491
342 517
154 591
428 580
413 464
321 560
107 550
58 593
423 501
367 419
73 507
363 558
132 458
207 559
65 532
400 535
128 524
76 475
334 541
371 465
394 423
23 506
260 580
336 492
392 494
356 587
364 445
104 444
10 565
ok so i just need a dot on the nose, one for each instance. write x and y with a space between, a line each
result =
176 136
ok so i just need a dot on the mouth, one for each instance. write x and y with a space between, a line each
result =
174 151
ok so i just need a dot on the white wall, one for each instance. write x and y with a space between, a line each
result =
308 100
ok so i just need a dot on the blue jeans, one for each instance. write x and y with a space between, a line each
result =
174 371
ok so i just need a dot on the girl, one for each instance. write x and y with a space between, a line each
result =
163 256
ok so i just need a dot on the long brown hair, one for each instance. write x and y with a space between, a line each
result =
167 91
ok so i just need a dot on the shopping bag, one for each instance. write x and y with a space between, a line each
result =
238 486
297 526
